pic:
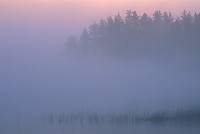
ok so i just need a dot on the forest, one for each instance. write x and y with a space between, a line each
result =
139 36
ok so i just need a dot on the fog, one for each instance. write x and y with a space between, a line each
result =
37 76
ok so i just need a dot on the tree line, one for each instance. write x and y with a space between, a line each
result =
136 35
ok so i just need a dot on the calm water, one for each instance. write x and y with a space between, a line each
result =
33 125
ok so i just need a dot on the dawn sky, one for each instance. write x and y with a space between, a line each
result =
80 13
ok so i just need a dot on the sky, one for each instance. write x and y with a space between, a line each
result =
33 71
78 14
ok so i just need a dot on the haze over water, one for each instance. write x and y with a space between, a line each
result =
36 77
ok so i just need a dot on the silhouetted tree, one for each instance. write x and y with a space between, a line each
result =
145 22
186 21
167 25
118 27
118 42
110 32
72 46
103 34
158 27
129 19
93 31
132 24
84 42
102 28
84 38
176 26
197 22
118 23
136 21
167 19
157 18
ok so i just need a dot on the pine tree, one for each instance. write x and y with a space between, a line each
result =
197 22
167 19
72 46
186 21
157 18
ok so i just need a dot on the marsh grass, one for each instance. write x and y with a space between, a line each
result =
179 117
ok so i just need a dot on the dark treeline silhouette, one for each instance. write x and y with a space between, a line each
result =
136 36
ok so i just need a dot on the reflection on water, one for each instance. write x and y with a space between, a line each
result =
37 127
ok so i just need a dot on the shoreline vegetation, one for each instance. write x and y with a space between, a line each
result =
179 117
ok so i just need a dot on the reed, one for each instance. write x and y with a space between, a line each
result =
181 116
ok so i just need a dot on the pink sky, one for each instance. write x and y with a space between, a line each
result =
77 14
